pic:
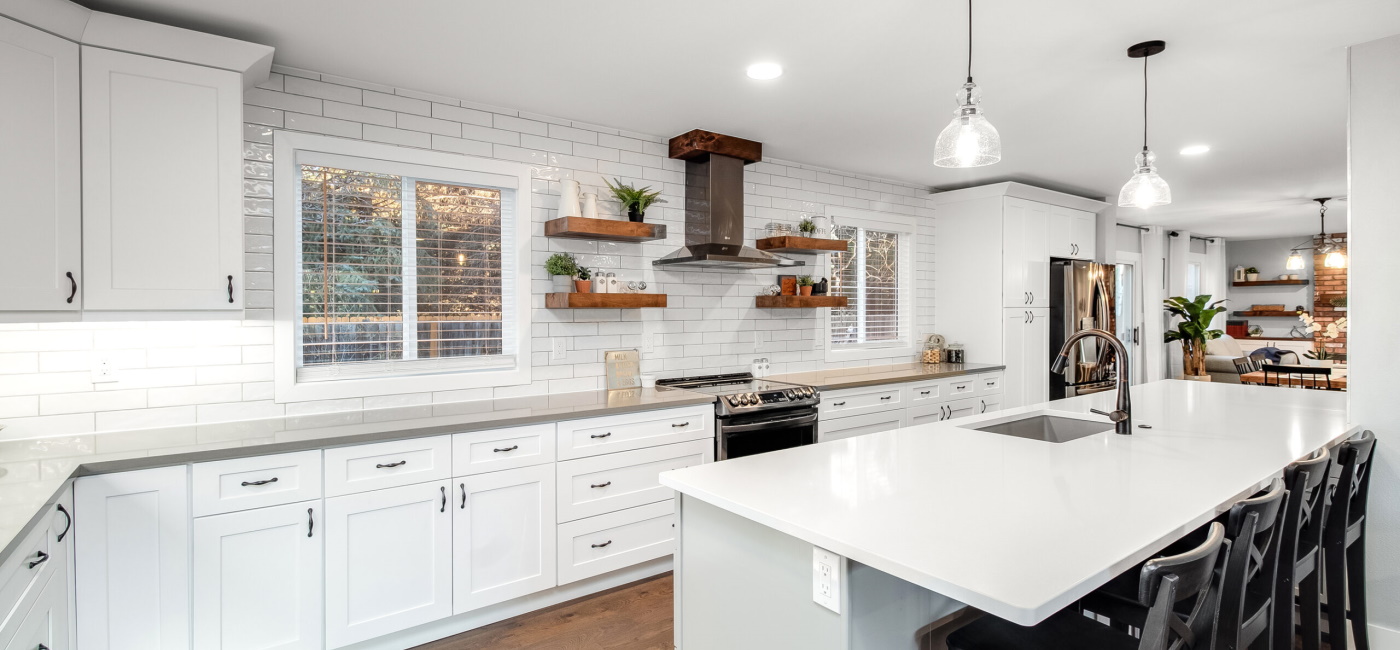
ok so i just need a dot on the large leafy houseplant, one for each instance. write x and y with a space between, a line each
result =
635 201
1194 329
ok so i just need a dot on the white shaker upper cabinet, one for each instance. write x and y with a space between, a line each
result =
162 184
40 171
1025 254
1073 233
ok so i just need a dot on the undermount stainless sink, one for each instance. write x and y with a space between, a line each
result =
1047 428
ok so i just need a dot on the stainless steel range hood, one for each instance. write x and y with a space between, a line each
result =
714 204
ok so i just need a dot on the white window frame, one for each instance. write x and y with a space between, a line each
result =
907 228
288 150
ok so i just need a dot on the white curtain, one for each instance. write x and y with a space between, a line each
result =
1154 285
1178 270
1215 278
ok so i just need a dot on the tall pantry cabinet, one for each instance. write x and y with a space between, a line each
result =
992 250
121 164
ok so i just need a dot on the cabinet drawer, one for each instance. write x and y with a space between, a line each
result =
580 438
843 403
245 483
962 386
597 545
836 429
988 383
497 449
387 464
926 392
593 486
19 582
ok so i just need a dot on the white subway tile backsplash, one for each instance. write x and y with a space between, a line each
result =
91 402
461 115
322 90
188 395
376 133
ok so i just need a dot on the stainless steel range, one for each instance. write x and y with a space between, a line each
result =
753 416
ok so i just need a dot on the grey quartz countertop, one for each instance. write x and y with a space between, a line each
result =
838 378
34 471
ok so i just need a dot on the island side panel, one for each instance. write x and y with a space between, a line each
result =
889 613
744 586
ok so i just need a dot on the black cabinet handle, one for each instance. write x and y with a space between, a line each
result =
510 448
42 558
683 424
262 482
464 495
603 544
601 485
887 397
388 465
600 435
838 403
74 292
230 290
68 526
444 499
42 647
984 406
310 522
925 392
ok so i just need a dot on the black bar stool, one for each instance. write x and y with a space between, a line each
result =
1247 594
1164 584
1300 543
1344 544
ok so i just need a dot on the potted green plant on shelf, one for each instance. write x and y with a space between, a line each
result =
583 282
807 227
562 267
1251 274
1321 335
1193 331
1339 303
804 285
634 201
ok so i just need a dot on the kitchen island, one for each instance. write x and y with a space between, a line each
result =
923 521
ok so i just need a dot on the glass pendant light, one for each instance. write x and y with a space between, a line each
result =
1145 189
969 140
1332 251
1295 261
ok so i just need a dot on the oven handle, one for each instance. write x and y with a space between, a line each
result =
741 428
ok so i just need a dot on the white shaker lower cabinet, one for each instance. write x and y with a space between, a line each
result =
502 536
132 552
388 561
46 624
1026 353
257 579
162 184
829 429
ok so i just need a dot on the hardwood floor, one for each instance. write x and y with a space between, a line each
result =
630 617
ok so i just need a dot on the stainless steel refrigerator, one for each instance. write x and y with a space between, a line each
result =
1081 297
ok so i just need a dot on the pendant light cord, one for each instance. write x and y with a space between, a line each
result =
1144 101
969 41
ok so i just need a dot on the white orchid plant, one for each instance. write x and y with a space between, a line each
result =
1321 334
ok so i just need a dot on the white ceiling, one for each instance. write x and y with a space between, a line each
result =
869 85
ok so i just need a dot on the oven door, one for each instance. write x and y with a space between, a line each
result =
755 434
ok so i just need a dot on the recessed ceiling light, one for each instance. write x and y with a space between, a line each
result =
765 71
1195 149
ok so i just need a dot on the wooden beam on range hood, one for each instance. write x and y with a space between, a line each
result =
698 144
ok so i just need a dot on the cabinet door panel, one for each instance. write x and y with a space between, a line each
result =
1061 232
131 534
46 624
257 579
1084 230
859 425
1014 324
1037 357
162 184
388 561
1037 254
1015 215
40 170
503 536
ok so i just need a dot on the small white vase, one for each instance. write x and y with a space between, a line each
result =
590 205
568 198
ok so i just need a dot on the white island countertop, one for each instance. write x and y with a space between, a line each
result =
1021 528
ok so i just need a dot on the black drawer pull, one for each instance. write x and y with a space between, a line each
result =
887 397
838 403
230 290
510 448
444 500
388 465
925 392
262 482
310 523
464 495
42 558
683 424
74 293
601 485
67 527
603 544
600 435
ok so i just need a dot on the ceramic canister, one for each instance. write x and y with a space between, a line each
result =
568 198
590 205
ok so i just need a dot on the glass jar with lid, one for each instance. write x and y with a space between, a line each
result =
933 349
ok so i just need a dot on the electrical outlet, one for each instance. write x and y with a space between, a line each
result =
558 352
103 372
826 578
647 346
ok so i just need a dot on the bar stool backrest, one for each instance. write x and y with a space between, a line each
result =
1354 482
1253 556
1302 517
1165 581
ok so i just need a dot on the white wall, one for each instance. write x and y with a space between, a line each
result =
1269 256
183 373
1374 213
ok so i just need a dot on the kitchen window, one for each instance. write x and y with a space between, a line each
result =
406 270
875 275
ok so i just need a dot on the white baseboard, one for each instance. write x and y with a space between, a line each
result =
460 623
1383 638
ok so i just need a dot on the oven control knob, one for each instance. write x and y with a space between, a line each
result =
753 398
733 401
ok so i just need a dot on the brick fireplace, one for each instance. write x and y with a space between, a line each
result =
1329 284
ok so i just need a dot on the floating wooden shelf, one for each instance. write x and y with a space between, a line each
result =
790 244
1271 338
1270 283
604 300
799 302
609 229
1268 314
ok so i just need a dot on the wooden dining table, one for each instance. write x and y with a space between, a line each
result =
1338 381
